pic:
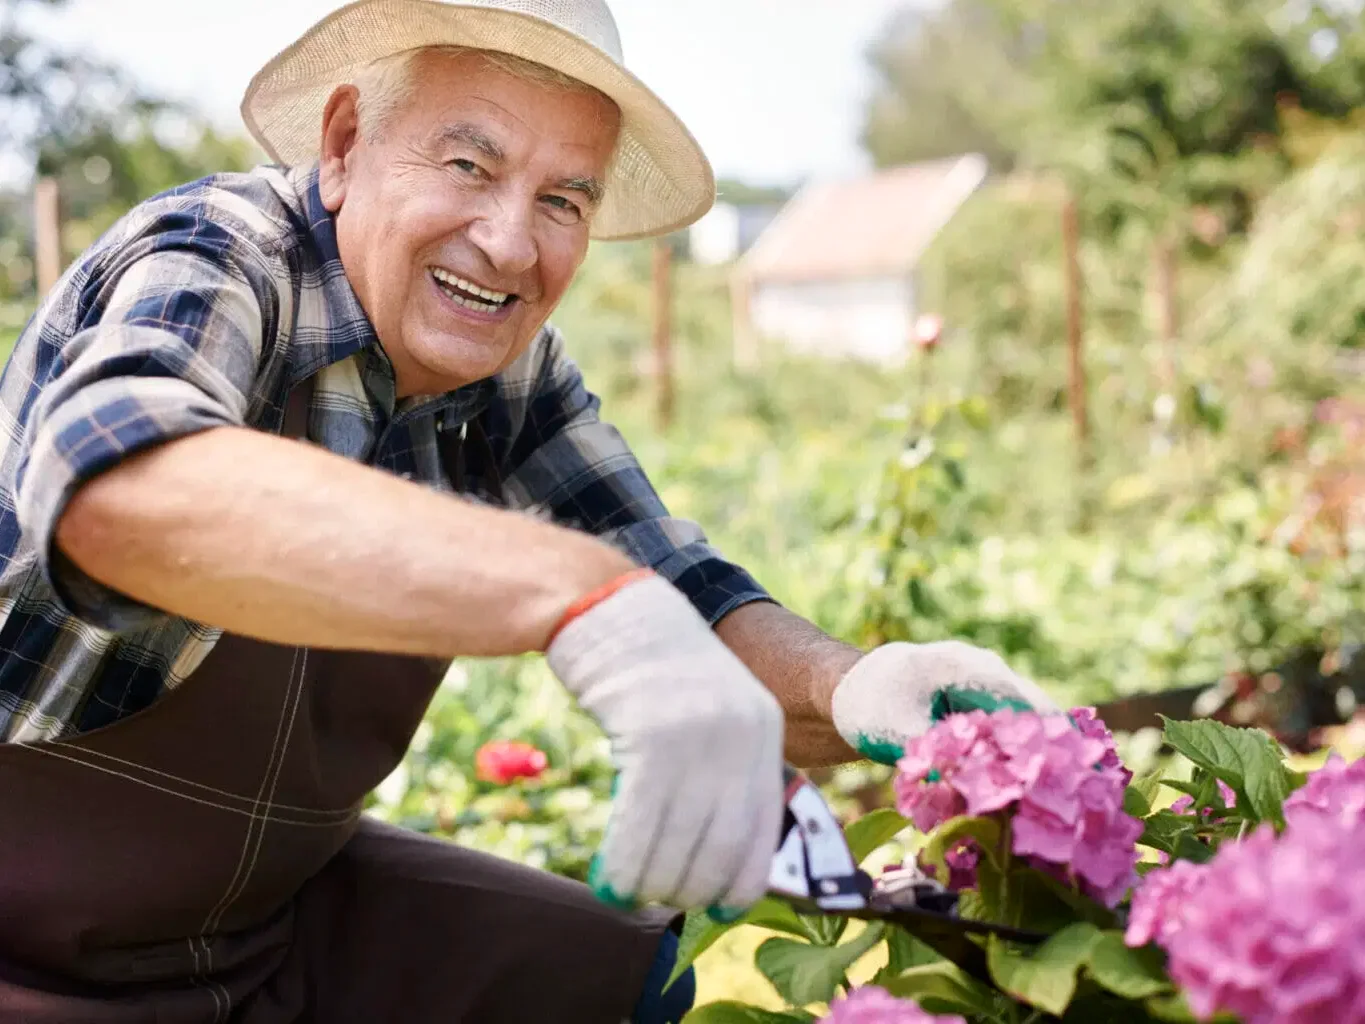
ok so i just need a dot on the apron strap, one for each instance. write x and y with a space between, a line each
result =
296 409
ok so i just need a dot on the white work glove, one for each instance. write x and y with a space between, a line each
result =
896 692
697 743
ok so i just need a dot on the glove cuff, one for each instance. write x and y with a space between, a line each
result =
595 597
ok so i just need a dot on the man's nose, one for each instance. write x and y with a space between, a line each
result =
504 235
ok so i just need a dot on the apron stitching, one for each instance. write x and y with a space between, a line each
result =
198 981
339 814
251 847
252 813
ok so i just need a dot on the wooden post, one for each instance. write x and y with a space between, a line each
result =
744 342
1074 327
663 329
1168 310
47 234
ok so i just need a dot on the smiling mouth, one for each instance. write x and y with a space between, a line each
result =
466 293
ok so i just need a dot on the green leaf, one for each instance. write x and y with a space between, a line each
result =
1148 785
1131 973
1044 977
739 1013
903 951
700 933
872 830
971 906
1136 803
775 915
1174 834
803 973
1246 759
1048 905
1174 1009
942 988
824 929
1185 786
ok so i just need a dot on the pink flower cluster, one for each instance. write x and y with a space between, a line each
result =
1048 774
873 1005
1335 792
1159 902
1090 725
1271 929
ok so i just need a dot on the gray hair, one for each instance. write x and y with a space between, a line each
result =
386 83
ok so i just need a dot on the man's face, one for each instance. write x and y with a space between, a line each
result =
462 222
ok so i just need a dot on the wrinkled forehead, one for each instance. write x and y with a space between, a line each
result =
519 100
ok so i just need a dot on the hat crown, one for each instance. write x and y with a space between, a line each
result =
590 20
658 180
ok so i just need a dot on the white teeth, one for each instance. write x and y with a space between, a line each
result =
446 277
468 303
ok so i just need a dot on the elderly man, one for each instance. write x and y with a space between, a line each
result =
271 446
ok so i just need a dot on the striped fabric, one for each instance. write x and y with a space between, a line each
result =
203 307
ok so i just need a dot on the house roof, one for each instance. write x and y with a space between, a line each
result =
874 226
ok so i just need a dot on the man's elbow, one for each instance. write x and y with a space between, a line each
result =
93 528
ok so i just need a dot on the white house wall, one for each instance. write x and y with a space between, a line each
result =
869 319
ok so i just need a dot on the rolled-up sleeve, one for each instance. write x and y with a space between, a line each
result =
170 345
568 463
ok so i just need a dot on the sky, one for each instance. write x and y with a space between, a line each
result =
773 89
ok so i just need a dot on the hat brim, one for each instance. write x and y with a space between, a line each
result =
659 179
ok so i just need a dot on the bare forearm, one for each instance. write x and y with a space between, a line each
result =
801 665
288 543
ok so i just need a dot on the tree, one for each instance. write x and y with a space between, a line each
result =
48 94
1155 107
940 73
85 123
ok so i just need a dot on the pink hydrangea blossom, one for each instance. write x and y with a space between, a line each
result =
1276 934
1044 771
1088 721
1160 900
872 1005
1335 792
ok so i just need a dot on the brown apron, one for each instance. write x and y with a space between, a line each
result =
205 860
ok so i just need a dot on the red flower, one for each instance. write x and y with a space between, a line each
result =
504 761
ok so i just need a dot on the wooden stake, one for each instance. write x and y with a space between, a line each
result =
1074 327
1169 310
47 234
663 330
744 341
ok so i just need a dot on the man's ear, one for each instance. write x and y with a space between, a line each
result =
340 134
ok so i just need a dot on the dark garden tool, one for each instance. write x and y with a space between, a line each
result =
814 871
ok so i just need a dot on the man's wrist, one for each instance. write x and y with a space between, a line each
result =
838 660
584 572
596 596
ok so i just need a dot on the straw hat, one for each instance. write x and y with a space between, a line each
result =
659 179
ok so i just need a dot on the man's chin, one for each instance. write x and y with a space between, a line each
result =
450 364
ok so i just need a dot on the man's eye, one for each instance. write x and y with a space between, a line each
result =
566 205
468 166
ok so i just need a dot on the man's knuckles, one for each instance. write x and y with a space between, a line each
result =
720 716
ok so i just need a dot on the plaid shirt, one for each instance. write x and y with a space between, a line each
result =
203 307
